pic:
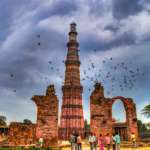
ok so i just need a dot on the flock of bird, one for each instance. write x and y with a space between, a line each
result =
119 76
122 75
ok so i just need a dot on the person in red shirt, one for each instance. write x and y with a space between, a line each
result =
101 142
108 141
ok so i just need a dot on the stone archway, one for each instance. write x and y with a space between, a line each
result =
118 115
121 128
119 119
130 125
101 120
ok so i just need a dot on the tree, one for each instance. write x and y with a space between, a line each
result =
148 125
86 125
141 126
146 111
3 121
143 130
27 121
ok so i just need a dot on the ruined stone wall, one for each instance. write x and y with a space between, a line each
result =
21 134
47 117
101 113
131 117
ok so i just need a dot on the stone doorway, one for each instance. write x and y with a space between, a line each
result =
121 128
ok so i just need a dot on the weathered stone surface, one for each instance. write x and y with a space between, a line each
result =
47 117
21 134
101 113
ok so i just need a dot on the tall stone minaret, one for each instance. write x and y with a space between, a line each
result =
72 110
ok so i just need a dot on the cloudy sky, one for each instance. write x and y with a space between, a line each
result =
114 40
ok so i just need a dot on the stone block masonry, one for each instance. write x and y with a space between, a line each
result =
101 120
47 117
21 134
72 119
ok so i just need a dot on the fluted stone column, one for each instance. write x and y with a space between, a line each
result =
72 110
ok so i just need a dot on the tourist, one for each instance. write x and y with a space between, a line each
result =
79 142
1 137
92 141
41 141
101 142
73 141
95 142
133 139
108 141
117 141
113 142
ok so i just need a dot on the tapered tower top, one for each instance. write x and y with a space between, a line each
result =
73 34
73 27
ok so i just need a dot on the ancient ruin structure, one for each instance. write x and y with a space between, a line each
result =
47 117
72 110
71 119
21 134
101 114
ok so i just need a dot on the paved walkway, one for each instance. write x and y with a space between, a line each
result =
140 148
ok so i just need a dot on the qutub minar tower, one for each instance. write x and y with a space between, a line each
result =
72 119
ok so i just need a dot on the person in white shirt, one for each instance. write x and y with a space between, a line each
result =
41 141
92 141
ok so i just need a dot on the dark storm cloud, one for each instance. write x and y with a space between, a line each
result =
101 45
98 8
58 8
125 8
28 57
21 52
9 12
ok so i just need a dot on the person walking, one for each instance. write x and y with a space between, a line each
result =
113 142
95 141
133 139
92 141
73 141
101 142
41 141
117 141
79 142
108 141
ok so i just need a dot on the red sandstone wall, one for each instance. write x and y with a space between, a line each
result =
21 134
101 113
47 117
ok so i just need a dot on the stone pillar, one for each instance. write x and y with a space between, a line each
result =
131 118
100 110
47 117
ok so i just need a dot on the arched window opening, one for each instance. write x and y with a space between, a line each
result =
118 112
